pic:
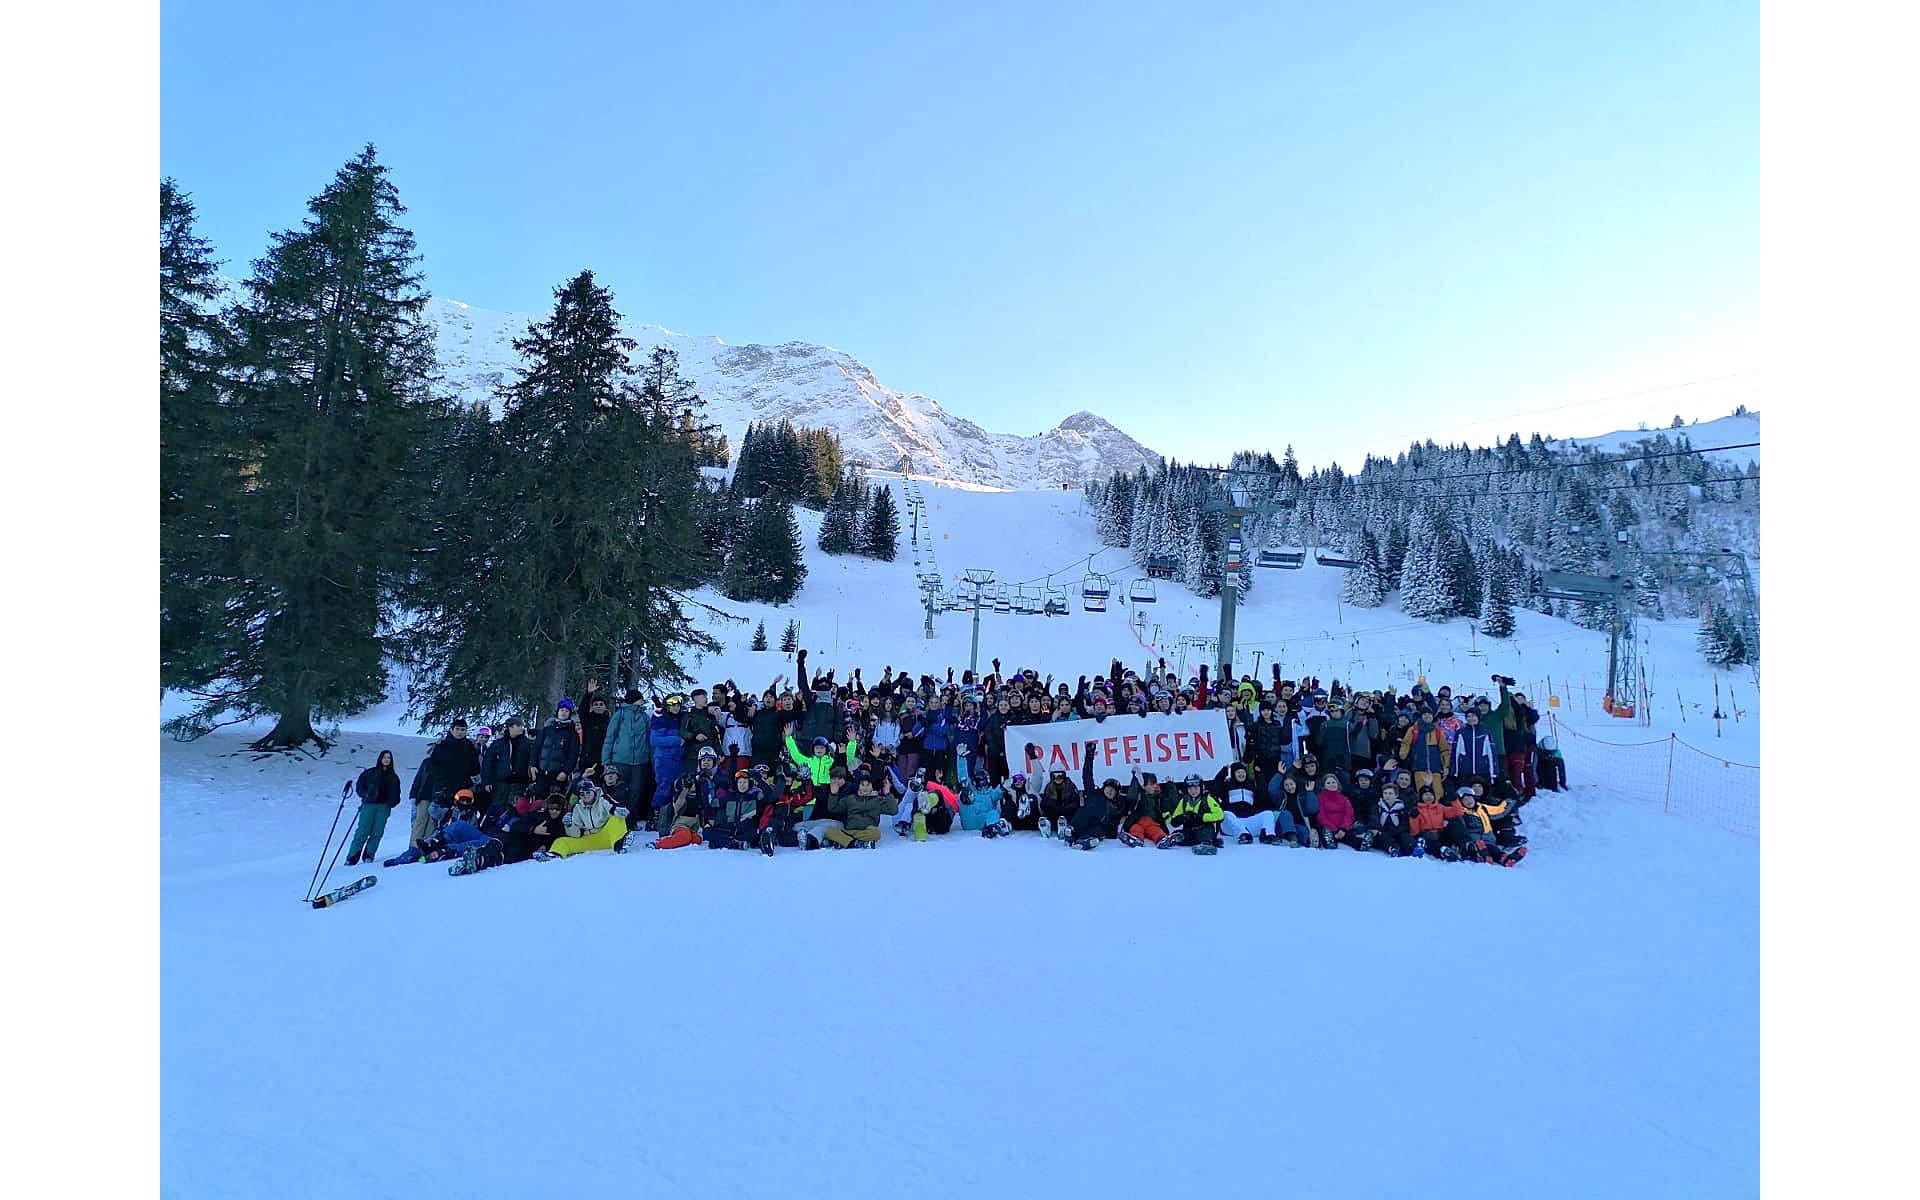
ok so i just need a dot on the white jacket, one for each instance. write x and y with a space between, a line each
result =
587 818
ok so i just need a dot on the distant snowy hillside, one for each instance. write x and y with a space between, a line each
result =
1734 430
822 387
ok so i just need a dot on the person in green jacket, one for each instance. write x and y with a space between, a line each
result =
1196 816
819 764
1495 720
865 809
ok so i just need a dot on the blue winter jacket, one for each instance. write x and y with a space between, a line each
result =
1473 753
629 737
940 731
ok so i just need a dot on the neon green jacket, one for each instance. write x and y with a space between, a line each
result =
820 766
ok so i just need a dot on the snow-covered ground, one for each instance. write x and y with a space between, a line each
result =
971 1017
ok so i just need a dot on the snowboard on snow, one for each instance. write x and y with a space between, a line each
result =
338 894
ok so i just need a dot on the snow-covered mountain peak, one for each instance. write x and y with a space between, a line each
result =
822 387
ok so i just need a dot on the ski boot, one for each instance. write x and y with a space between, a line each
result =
1512 855
1449 854
1168 842
1245 839
1046 828
807 841
902 828
1086 843
919 827
1420 846
990 829
766 842
1208 846
1393 851
1366 839
1127 839
1290 841
1004 826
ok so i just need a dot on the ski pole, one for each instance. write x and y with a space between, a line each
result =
346 789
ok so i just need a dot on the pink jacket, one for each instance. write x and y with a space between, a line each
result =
1336 811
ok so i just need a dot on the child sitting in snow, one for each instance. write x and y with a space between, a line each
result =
1391 827
1336 814
980 807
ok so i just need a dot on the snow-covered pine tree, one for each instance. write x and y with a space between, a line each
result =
1426 580
759 637
1365 585
837 524
1465 571
882 532
790 637
1496 608
1393 559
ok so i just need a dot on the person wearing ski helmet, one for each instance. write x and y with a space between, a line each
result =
1020 808
1196 816
1059 800
818 764
669 752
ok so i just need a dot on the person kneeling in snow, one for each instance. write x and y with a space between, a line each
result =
733 818
533 834
1391 827
592 824
822 810
865 810
1470 833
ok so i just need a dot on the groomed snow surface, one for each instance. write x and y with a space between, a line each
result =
969 1017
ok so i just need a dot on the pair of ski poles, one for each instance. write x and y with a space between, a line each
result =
318 883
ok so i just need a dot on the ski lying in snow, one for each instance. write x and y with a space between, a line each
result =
338 894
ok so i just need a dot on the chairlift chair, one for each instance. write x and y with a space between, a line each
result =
1334 560
1142 591
1162 566
1286 560
1096 586
1093 602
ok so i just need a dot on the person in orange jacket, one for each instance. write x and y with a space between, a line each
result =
1429 820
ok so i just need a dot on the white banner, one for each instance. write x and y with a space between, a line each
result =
1171 746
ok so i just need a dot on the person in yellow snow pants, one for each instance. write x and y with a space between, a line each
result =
605 838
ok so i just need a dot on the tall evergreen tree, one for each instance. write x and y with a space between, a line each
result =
1465 573
328 386
759 637
790 637
767 564
580 540
196 452
838 526
1365 585
882 527
1496 608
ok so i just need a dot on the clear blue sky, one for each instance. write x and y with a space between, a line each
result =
1335 225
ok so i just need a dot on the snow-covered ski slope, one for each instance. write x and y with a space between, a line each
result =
986 1018
961 1018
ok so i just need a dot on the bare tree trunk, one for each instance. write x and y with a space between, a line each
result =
294 728
556 679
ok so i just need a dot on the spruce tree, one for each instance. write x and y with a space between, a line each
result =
790 637
197 464
1465 577
1365 585
837 525
579 541
882 527
1496 616
767 564
328 384
759 636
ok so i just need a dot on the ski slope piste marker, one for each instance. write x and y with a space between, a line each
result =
1171 745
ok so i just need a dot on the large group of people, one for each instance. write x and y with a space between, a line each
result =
826 761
